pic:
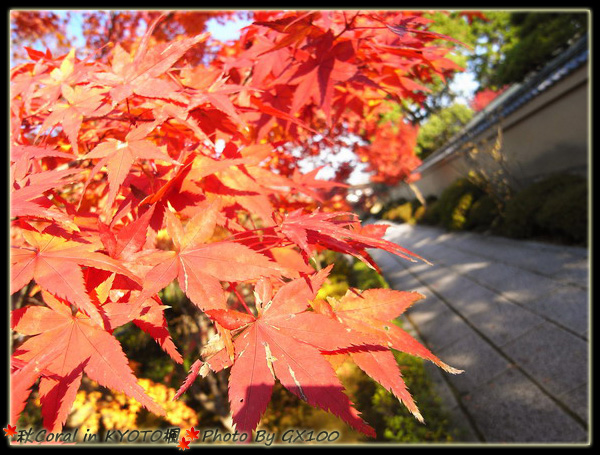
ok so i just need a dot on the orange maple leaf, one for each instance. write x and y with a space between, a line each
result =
118 157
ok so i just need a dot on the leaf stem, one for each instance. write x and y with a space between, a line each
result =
233 287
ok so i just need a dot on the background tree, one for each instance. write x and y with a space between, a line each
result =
502 48
440 127
537 37
481 34
45 29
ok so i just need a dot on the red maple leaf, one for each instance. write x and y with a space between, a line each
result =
151 320
79 102
337 231
284 342
308 183
10 430
272 112
395 159
127 241
317 76
149 122
295 26
23 377
189 380
484 97
404 25
28 196
192 433
24 156
183 444
139 72
77 346
173 187
372 313
235 184
69 72
115 293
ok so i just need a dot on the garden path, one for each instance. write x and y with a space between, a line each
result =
515 316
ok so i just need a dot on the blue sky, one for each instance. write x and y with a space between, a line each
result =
222 32
227 31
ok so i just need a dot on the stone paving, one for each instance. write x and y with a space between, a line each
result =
515 316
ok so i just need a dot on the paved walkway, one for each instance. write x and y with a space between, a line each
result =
515 316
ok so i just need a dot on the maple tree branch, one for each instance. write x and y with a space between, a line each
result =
23 295
233 287
123 118
369 28
24 248
111 27
248 76
216 401
129 114
347 25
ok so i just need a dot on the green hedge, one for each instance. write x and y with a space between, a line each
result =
455 203
484 214
554 208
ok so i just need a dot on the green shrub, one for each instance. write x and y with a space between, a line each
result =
555 209
401 213
404 211
390 205
564 214
459 214
364 277
418 214
455 202
547 208
346 273
397 423
431 214
484 214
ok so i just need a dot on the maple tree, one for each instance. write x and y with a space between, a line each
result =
484 97
137 167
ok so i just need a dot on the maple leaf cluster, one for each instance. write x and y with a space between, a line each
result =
484 97
391 164
111 155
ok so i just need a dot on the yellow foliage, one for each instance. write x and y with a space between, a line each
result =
116 411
